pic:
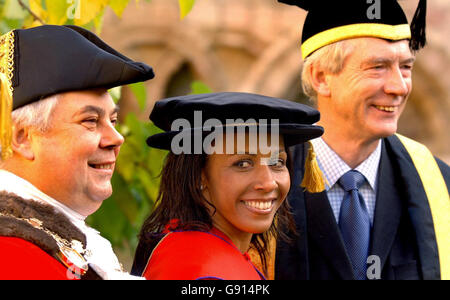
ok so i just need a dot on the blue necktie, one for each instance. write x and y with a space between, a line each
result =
354 222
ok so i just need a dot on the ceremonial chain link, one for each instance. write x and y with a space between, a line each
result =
74 244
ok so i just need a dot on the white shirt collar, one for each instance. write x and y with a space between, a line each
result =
12 183
334 167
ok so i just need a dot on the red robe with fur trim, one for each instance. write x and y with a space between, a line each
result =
192 255
22 260
28 252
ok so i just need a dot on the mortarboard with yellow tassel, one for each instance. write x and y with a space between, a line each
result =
330 21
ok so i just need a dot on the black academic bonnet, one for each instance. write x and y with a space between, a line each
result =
54 59
330 21
294 120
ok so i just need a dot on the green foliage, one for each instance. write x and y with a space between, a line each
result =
140 93
30 13
87 13
11 15
185 7
199 87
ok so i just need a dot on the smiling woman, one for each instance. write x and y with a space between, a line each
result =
259 186
214 207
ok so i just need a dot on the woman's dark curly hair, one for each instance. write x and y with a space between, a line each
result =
180 198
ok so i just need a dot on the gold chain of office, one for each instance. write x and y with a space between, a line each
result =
36 223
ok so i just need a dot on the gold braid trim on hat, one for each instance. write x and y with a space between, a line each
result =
6 93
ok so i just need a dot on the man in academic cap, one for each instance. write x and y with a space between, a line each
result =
58 151
383 209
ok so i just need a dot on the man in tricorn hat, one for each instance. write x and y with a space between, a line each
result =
58 151
383 211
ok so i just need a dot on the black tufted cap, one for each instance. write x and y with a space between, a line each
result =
237 109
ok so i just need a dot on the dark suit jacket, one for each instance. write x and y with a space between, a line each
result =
402 236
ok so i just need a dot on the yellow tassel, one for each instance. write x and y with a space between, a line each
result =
313 179
5 118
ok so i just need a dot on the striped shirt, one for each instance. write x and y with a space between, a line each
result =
333 167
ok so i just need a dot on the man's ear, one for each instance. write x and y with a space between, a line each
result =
320 81
21 142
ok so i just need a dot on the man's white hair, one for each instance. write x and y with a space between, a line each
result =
330 58
36 115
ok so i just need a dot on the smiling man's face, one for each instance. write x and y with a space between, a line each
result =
76 156
370 93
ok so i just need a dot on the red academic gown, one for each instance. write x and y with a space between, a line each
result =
192 255
22 260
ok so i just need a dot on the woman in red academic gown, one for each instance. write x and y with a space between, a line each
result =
216 205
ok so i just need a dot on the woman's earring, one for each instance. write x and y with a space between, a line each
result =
201 187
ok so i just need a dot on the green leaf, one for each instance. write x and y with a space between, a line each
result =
116 93
88 10
136 128
124 198
9 24
39 9
185 7
140 92
13 10
57 11
149 183
198 87
110 221
134 150
98 22
125 162
118 6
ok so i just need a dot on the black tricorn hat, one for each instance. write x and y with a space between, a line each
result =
293 121
330 21
52 59
39 62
